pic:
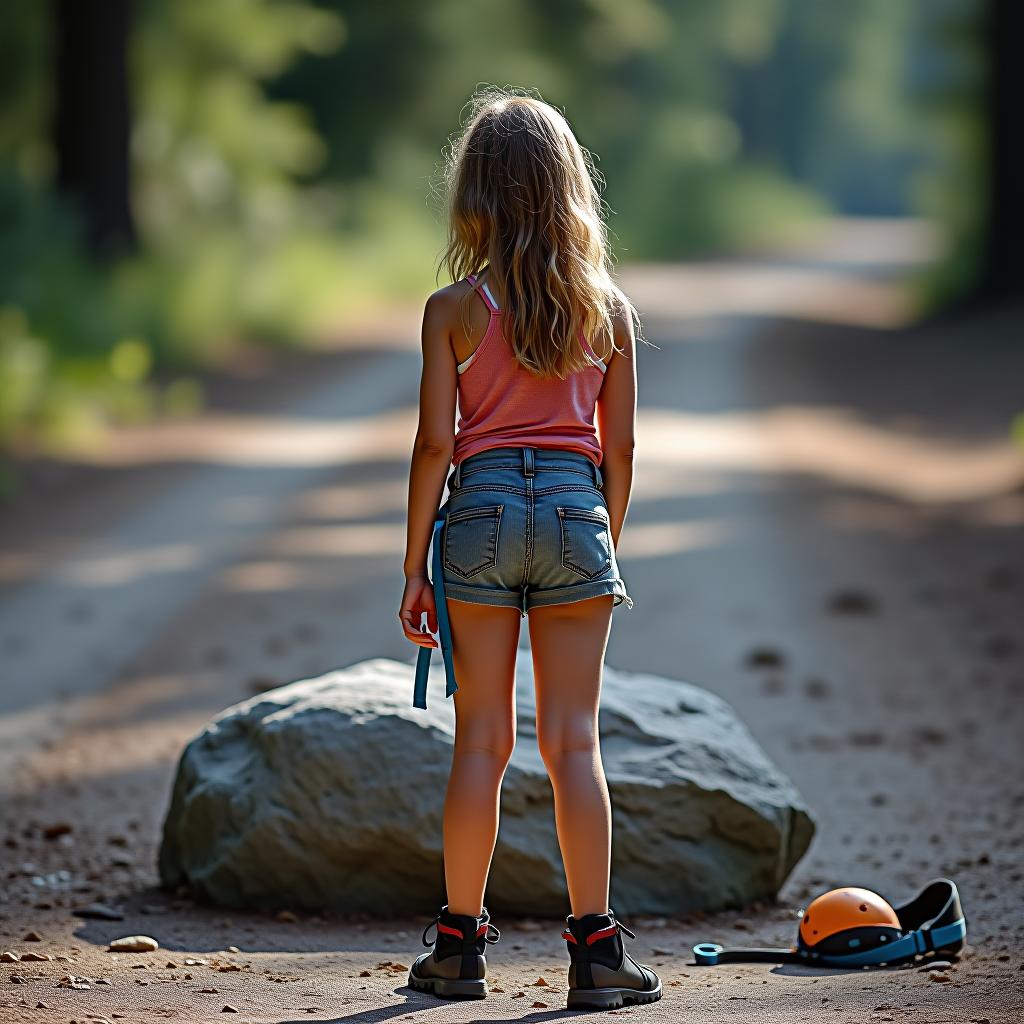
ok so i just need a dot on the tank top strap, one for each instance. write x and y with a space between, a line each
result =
484 292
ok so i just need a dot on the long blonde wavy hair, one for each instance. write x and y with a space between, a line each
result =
523 201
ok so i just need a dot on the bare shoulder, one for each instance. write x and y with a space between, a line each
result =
446 307
443 305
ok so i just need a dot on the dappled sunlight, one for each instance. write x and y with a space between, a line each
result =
235 439
835 446
819 280
362 541
897 519
147 697
355 500
659 540
128 566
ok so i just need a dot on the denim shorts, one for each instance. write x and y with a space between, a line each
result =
528 527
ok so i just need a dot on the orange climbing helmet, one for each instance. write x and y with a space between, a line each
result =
841 909
853 927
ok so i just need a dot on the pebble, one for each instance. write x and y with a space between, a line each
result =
765 657
228 1008
72 981
35 956
287 916
55 831
134 944
7 957
33 937
937 965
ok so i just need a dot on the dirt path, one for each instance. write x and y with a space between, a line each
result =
818 485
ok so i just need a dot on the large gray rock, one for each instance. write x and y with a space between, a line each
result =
327 794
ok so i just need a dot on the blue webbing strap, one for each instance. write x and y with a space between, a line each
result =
444 629
912 943
710 954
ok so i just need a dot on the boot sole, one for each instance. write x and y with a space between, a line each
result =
449 988
609 998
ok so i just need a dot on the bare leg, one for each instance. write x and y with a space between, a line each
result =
569 643
484 641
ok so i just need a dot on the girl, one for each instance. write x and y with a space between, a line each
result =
537 345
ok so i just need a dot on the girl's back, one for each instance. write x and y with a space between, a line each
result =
501 402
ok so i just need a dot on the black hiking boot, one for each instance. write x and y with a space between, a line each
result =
456 965
602 975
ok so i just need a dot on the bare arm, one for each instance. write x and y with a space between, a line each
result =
616 420
435 433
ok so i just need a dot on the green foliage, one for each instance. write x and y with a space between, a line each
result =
286 159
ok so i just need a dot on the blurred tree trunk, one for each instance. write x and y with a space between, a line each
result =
1003 255
93 123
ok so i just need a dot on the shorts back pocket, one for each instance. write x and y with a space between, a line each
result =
586 541
471 540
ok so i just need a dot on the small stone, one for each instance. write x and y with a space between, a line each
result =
765 657
33 937
228 1008
937 965
364 974
17 979
35 956
538 1004
937 976
55 831
540 982
42 1006
191 961
287 917
234 949
817 689
852 602
99 912
7 957
171 965
72 981
210 991
134 944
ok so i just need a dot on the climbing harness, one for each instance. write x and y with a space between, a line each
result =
852 927
444 629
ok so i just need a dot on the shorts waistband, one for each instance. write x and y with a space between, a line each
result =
528 459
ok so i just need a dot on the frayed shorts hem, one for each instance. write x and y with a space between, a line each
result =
539 598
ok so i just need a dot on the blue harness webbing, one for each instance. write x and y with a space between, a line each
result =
444 629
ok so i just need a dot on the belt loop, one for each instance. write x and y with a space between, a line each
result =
528 461
598 478
457 479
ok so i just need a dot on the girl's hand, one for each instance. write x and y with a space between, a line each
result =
418 598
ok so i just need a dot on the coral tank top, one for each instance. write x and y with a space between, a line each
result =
502 403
